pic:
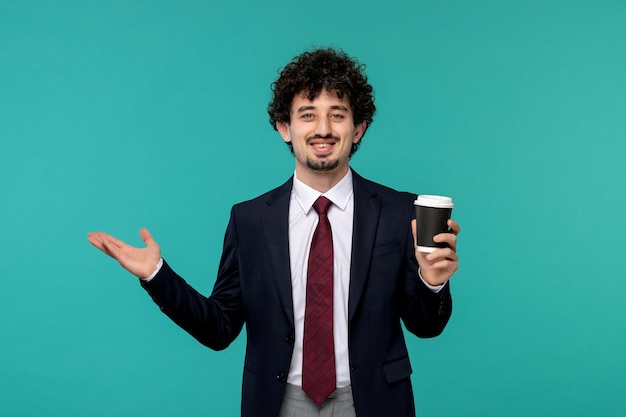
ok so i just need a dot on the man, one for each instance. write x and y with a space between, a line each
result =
322 295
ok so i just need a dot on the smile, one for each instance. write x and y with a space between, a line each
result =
322 148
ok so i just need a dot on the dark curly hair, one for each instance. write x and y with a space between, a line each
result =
328 69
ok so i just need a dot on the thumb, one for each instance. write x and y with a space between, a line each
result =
146 237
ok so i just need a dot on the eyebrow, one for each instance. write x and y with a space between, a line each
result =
334 107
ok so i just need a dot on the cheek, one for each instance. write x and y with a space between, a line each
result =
299 136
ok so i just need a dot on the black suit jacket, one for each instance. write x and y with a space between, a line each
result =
253 287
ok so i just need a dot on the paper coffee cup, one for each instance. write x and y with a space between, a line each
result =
432 213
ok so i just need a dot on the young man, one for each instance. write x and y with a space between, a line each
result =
322 295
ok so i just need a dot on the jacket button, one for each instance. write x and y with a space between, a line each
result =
281 377
289 339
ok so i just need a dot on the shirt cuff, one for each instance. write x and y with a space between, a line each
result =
433 288
158 268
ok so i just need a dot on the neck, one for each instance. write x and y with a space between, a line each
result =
321 181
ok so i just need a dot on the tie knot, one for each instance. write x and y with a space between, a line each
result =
322 204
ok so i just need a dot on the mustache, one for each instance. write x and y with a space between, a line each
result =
329 136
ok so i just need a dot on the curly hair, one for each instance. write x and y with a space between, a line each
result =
329 69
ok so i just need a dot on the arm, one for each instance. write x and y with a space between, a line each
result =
215 321
426 312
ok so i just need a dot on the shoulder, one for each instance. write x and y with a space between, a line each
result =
363 186
269 198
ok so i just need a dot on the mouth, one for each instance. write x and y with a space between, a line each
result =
322 146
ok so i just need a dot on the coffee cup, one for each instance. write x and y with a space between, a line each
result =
432 213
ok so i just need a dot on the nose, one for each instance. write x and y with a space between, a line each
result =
322 128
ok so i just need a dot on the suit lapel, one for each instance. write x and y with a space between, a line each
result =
366 215
276 228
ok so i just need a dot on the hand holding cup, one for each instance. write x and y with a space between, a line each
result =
435 238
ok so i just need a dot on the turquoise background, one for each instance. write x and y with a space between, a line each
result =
116 115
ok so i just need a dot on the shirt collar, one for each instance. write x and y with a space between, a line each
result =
340 194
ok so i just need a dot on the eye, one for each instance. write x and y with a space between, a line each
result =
307 116
337 116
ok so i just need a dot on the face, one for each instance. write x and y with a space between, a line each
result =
322 132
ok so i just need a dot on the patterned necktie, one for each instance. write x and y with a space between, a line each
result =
318 351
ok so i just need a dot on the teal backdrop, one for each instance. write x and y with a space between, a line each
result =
115 115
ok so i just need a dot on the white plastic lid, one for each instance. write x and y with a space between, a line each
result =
436 201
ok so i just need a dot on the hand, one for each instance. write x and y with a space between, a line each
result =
141 262
437 267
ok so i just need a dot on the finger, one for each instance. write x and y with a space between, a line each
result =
93 239
111 247
414 228
147 237
112 241
105 237
445 264
454 227
96 240
448 238
441 254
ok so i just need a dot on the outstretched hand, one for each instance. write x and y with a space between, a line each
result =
141 262
438 266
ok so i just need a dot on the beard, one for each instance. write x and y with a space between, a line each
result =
322 165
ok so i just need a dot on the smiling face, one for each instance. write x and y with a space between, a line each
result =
321 132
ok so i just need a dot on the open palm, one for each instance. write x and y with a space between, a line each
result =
140 262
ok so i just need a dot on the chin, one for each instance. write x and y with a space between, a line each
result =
322 165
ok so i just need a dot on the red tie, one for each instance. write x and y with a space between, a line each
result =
318 351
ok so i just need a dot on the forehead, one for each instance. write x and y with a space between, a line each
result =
324 99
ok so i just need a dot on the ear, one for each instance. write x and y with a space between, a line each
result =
359 131
283 129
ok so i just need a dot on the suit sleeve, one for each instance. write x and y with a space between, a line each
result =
215 321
